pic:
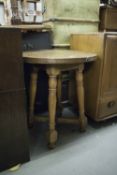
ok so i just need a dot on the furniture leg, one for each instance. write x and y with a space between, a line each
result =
59 95
33 90
80 97
15 168
52 99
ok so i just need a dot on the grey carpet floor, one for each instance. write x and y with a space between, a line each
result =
91 153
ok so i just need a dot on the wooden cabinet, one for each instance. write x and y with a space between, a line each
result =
108 16
100 80
14 144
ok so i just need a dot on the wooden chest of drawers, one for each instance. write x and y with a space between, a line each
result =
100 79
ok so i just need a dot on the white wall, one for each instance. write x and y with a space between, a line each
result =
29 18
2 18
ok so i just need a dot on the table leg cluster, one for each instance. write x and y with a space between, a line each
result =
53 73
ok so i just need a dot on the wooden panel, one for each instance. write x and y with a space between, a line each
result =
108 101
14 145
11 68
108 18
110 66
91 43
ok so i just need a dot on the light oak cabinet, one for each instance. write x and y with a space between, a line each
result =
101 79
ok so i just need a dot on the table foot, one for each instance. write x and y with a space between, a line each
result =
15 168
51 145
52 138
83 124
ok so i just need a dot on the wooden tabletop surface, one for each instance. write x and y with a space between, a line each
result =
57 56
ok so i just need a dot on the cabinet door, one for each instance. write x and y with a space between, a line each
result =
11 62
108 105
14 144
110 66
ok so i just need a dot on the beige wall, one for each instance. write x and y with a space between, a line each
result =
84 13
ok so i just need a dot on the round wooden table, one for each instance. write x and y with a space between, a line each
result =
54 61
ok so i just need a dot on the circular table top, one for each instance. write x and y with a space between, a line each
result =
57 56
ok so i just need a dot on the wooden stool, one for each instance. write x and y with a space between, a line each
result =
54 61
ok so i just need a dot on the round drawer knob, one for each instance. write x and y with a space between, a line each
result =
111 104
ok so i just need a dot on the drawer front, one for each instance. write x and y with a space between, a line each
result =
36 40
107 107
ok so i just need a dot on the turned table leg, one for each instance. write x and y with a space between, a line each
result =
80 97
32 96
52 100
59 95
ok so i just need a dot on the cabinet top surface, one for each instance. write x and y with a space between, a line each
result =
28 27
95 33
57 56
